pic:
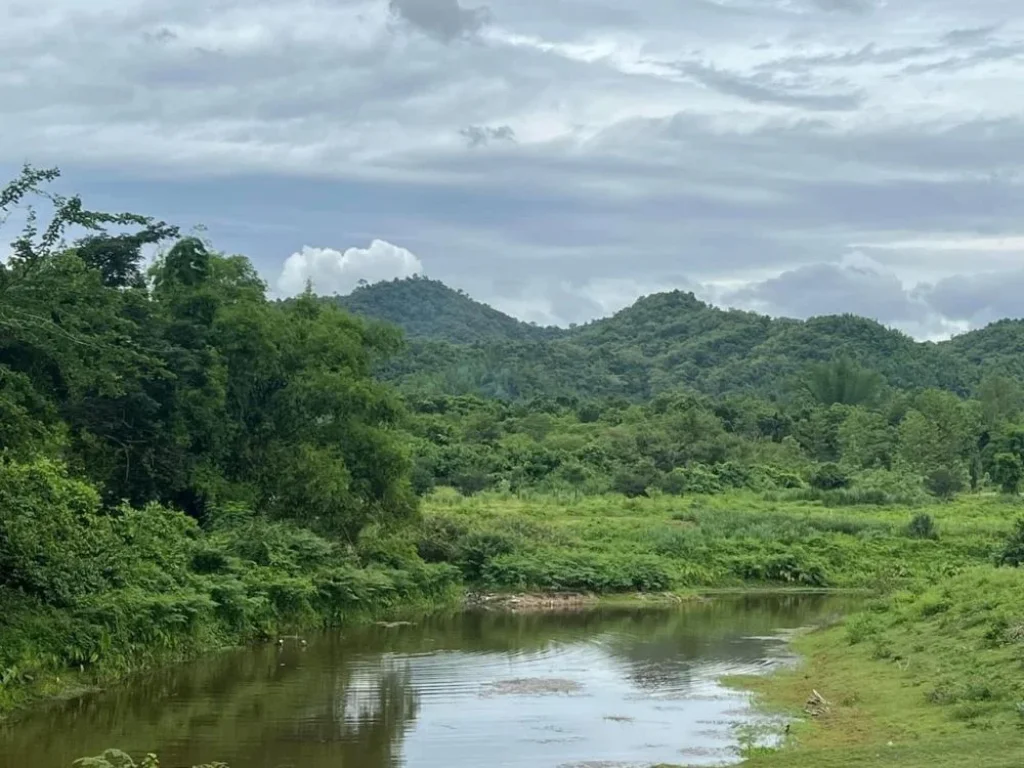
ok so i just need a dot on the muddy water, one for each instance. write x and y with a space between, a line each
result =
603 687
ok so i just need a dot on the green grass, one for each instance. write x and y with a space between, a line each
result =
612 544
927 678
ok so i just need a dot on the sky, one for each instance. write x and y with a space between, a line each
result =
554 158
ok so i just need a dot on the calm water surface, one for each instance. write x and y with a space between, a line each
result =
606 687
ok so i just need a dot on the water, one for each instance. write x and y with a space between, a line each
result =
599 688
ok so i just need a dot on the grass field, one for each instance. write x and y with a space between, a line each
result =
612 544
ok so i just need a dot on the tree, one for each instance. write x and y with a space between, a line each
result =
1008 471
1002 400
944 482
866 440
843 382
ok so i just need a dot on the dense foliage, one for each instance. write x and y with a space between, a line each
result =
886 446
429 309
661 343
183 463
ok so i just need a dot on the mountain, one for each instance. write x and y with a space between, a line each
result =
429 309
662 342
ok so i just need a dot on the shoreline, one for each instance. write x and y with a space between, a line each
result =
915 692
71 684
846 702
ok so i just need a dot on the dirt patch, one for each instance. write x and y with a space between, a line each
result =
530 602
533 686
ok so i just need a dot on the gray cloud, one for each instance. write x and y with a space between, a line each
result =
656 144
970 35
445 19
481 135
765 88
824 289
979 298
848 6
987 54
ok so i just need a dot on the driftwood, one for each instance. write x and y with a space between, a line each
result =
817 705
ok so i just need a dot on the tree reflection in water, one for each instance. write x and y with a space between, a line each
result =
353 698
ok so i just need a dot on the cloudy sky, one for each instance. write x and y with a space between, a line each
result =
556 158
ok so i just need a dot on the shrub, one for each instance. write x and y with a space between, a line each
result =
471 482
1008 471
861 627
587 572
793 566
479 548
944 483
1012 553
439 538
922 527
828 477
696 478
629 483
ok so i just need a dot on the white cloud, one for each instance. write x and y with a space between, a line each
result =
332 271
719 143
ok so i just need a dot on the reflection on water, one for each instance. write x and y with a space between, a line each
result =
617 685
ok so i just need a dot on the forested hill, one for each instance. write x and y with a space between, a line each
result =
662 342
429 309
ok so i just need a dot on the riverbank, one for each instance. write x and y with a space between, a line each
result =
927 677
191 591
103 594
924 678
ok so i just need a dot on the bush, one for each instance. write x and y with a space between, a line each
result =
1012 553
922 527
793 566
696 478
829 477
48 549
476 550
586 572
1008 471
471 482
630 484
944 483
439 538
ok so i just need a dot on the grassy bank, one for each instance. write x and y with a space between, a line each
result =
739 540
176 589
95 594
930 677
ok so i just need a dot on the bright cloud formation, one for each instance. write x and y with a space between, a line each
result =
338 272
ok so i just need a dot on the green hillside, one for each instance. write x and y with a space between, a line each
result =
662 342
429 309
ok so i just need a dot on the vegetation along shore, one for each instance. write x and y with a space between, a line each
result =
188 464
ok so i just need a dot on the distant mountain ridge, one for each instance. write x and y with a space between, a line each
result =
429 309
663 341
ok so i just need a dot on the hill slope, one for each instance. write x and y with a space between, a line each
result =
662 342
429 309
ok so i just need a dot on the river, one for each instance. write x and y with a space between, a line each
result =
603 687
